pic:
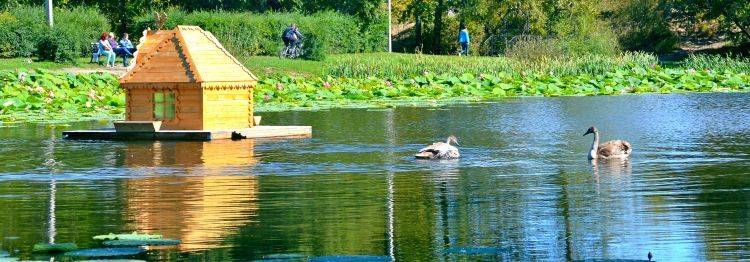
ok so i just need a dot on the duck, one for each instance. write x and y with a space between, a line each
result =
611 149
440 150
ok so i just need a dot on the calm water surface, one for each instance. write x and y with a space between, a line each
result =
523 191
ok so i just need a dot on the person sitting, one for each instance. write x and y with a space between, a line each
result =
126 44
119 50
106 50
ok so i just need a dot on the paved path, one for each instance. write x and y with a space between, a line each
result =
118 70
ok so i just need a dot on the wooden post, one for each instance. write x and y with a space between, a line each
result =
48 8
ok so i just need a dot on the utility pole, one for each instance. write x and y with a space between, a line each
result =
48 7
390 35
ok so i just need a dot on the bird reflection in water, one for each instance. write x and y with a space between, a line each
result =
206 196
614 169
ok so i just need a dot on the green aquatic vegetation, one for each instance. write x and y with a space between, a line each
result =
127 236
323 92
141 242
41 94
398 80
54 248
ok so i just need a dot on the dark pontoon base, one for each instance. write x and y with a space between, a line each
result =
192 135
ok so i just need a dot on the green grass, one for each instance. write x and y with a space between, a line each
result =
400 66
397 66
267 66
32 63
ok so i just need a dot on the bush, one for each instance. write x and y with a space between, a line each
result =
24 32
20 30
535 49
248 34
56 46
583 33
315 47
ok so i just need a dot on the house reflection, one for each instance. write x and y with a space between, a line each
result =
207 196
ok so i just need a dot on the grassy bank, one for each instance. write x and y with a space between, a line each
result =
385 80
34 63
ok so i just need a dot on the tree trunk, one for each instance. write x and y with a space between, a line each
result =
742 28
418 33
438 28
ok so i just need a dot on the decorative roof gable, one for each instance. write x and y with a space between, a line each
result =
186 54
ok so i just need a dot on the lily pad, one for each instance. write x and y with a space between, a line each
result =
143 242
54 248
105 252
126 236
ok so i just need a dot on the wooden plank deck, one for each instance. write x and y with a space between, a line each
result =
192 135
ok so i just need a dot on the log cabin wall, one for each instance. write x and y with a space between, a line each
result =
188 107
227 108
189 113
139 104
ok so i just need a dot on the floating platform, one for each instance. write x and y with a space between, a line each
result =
191 135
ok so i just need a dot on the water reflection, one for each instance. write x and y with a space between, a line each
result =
201 207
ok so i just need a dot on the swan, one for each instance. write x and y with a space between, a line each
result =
440 150
609 149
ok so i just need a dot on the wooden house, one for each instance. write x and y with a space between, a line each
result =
187 80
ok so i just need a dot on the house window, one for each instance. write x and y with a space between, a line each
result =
164 107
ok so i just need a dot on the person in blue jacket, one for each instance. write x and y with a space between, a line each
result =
463 40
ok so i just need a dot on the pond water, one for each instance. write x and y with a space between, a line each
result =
523 190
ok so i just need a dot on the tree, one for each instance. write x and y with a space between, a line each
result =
733 15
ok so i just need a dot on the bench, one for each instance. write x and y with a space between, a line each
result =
95 55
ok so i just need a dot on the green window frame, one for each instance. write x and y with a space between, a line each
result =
164 106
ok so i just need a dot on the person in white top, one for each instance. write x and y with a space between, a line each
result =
106 50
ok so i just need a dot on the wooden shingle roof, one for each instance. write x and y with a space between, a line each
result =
186 54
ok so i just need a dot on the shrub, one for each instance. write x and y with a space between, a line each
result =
315 47
581 32
59 46
81 27
535 49
20 30
248 34
23 31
